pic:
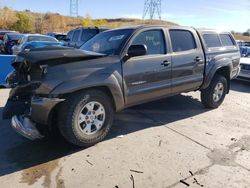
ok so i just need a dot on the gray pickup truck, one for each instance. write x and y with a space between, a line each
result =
79 90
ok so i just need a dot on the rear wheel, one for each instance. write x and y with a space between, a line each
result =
214 95
85 119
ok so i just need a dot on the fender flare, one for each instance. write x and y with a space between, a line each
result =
213 68
110 81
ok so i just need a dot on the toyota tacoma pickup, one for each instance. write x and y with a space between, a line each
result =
78 91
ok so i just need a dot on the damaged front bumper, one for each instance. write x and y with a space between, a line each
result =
39 113
41 109
25 127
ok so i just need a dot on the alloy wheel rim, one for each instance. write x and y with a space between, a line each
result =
218 92
91 118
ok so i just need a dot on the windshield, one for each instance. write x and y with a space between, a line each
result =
41 38
109 42
15 37
60 37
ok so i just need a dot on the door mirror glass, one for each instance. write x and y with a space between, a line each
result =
137 50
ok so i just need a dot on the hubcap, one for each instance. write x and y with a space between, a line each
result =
91 118
218 92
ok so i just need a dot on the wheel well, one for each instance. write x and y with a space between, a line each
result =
225 71
53 115
104 89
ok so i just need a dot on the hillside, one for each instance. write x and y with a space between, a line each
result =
242 37
122 22
27 21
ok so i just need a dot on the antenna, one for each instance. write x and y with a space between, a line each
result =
151 9
74 8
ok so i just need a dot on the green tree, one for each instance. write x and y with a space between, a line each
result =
87 21
24 22
100 23
7 18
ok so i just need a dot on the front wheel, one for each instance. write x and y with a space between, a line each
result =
214 95
85 119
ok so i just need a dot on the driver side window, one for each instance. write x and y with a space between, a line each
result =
153 39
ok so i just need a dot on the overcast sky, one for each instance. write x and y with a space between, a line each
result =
220 14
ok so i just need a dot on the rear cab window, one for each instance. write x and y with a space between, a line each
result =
182 40
227 40
212 40
76 36
218 40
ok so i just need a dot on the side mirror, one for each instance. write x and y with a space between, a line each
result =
137 50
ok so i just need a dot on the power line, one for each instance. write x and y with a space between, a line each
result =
152 8
74 8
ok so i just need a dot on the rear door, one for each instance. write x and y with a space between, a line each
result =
148 77
188 60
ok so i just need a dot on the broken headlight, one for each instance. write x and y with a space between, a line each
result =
11 78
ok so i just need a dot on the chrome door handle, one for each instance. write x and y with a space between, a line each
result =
198 59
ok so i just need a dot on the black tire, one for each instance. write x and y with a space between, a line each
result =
207 94
68 114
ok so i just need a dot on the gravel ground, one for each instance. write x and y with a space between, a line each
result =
174 142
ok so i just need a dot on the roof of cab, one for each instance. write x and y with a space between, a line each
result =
144 26
199 30
206 30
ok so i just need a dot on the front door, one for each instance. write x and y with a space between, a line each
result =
148 77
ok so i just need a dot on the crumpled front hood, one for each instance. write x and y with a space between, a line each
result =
54 55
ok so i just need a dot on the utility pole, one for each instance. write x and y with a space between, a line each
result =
152 8
74 8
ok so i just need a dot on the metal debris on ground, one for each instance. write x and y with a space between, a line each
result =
89 162
195 181
136 171
233 139
160 143
133 180
185 183
191 173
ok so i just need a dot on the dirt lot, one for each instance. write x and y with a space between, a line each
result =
169 143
